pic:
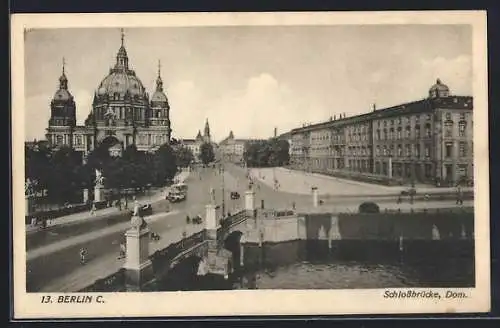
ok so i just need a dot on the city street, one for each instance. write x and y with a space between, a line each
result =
48 263
103 243
83 222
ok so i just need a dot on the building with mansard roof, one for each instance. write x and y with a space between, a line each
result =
428 140
232 149
122 113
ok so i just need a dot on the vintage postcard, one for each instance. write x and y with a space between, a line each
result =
215 164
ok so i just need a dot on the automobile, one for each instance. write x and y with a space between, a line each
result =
235 195
176 196
197 219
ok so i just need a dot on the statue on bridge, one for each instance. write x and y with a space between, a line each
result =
138 221
212 195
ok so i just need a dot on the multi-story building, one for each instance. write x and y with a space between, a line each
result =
195 144
429 140
232 149
122 113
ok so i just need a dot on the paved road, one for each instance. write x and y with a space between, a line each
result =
50 262
79 223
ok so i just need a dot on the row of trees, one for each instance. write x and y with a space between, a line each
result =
267 153
62 174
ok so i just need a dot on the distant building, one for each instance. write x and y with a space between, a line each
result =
122 113
232 149
429 140
195 144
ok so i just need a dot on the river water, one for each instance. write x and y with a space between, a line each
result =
312 265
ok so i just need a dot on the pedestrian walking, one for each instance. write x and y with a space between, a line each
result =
293 206
460 200
93 209
83 255
188 219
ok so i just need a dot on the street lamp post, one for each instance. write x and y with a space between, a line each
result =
223 191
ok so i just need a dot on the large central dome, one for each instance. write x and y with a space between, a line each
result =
121 80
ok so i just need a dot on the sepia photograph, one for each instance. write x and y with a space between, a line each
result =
243 164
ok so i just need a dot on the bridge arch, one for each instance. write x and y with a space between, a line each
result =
183 276
232 243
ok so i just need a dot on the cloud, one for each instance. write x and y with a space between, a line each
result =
455 72
264 104
83 100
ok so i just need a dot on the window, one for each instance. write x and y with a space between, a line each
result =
461 129
399 120
448 149
463 149
378 151
377 136
448 127
417 119
385 151
427 150
392 122
408 150
391 133
417 150
59 140
385 123
417 131
385 134
428 117
448 116
391 150
400 151
428 130
408 132
399 133
78 140
462 116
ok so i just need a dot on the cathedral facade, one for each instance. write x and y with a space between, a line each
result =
122 114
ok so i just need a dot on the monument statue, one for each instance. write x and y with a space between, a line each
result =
212 195
110 116
137 210
99 179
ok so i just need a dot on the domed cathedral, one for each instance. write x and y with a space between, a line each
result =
122 113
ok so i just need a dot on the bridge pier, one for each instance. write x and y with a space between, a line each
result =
138 266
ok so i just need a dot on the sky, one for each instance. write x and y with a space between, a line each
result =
251 79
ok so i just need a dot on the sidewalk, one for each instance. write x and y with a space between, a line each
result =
298 182
109 264
102 213
54 247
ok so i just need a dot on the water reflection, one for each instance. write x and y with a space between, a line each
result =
359 264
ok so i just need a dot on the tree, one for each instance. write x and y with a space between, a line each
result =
65 179
37 165
207 153
184 156
163 165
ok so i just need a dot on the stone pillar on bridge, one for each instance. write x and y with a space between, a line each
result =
138 266
250 202
315 196
211 222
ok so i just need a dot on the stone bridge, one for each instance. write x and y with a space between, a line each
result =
216 248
